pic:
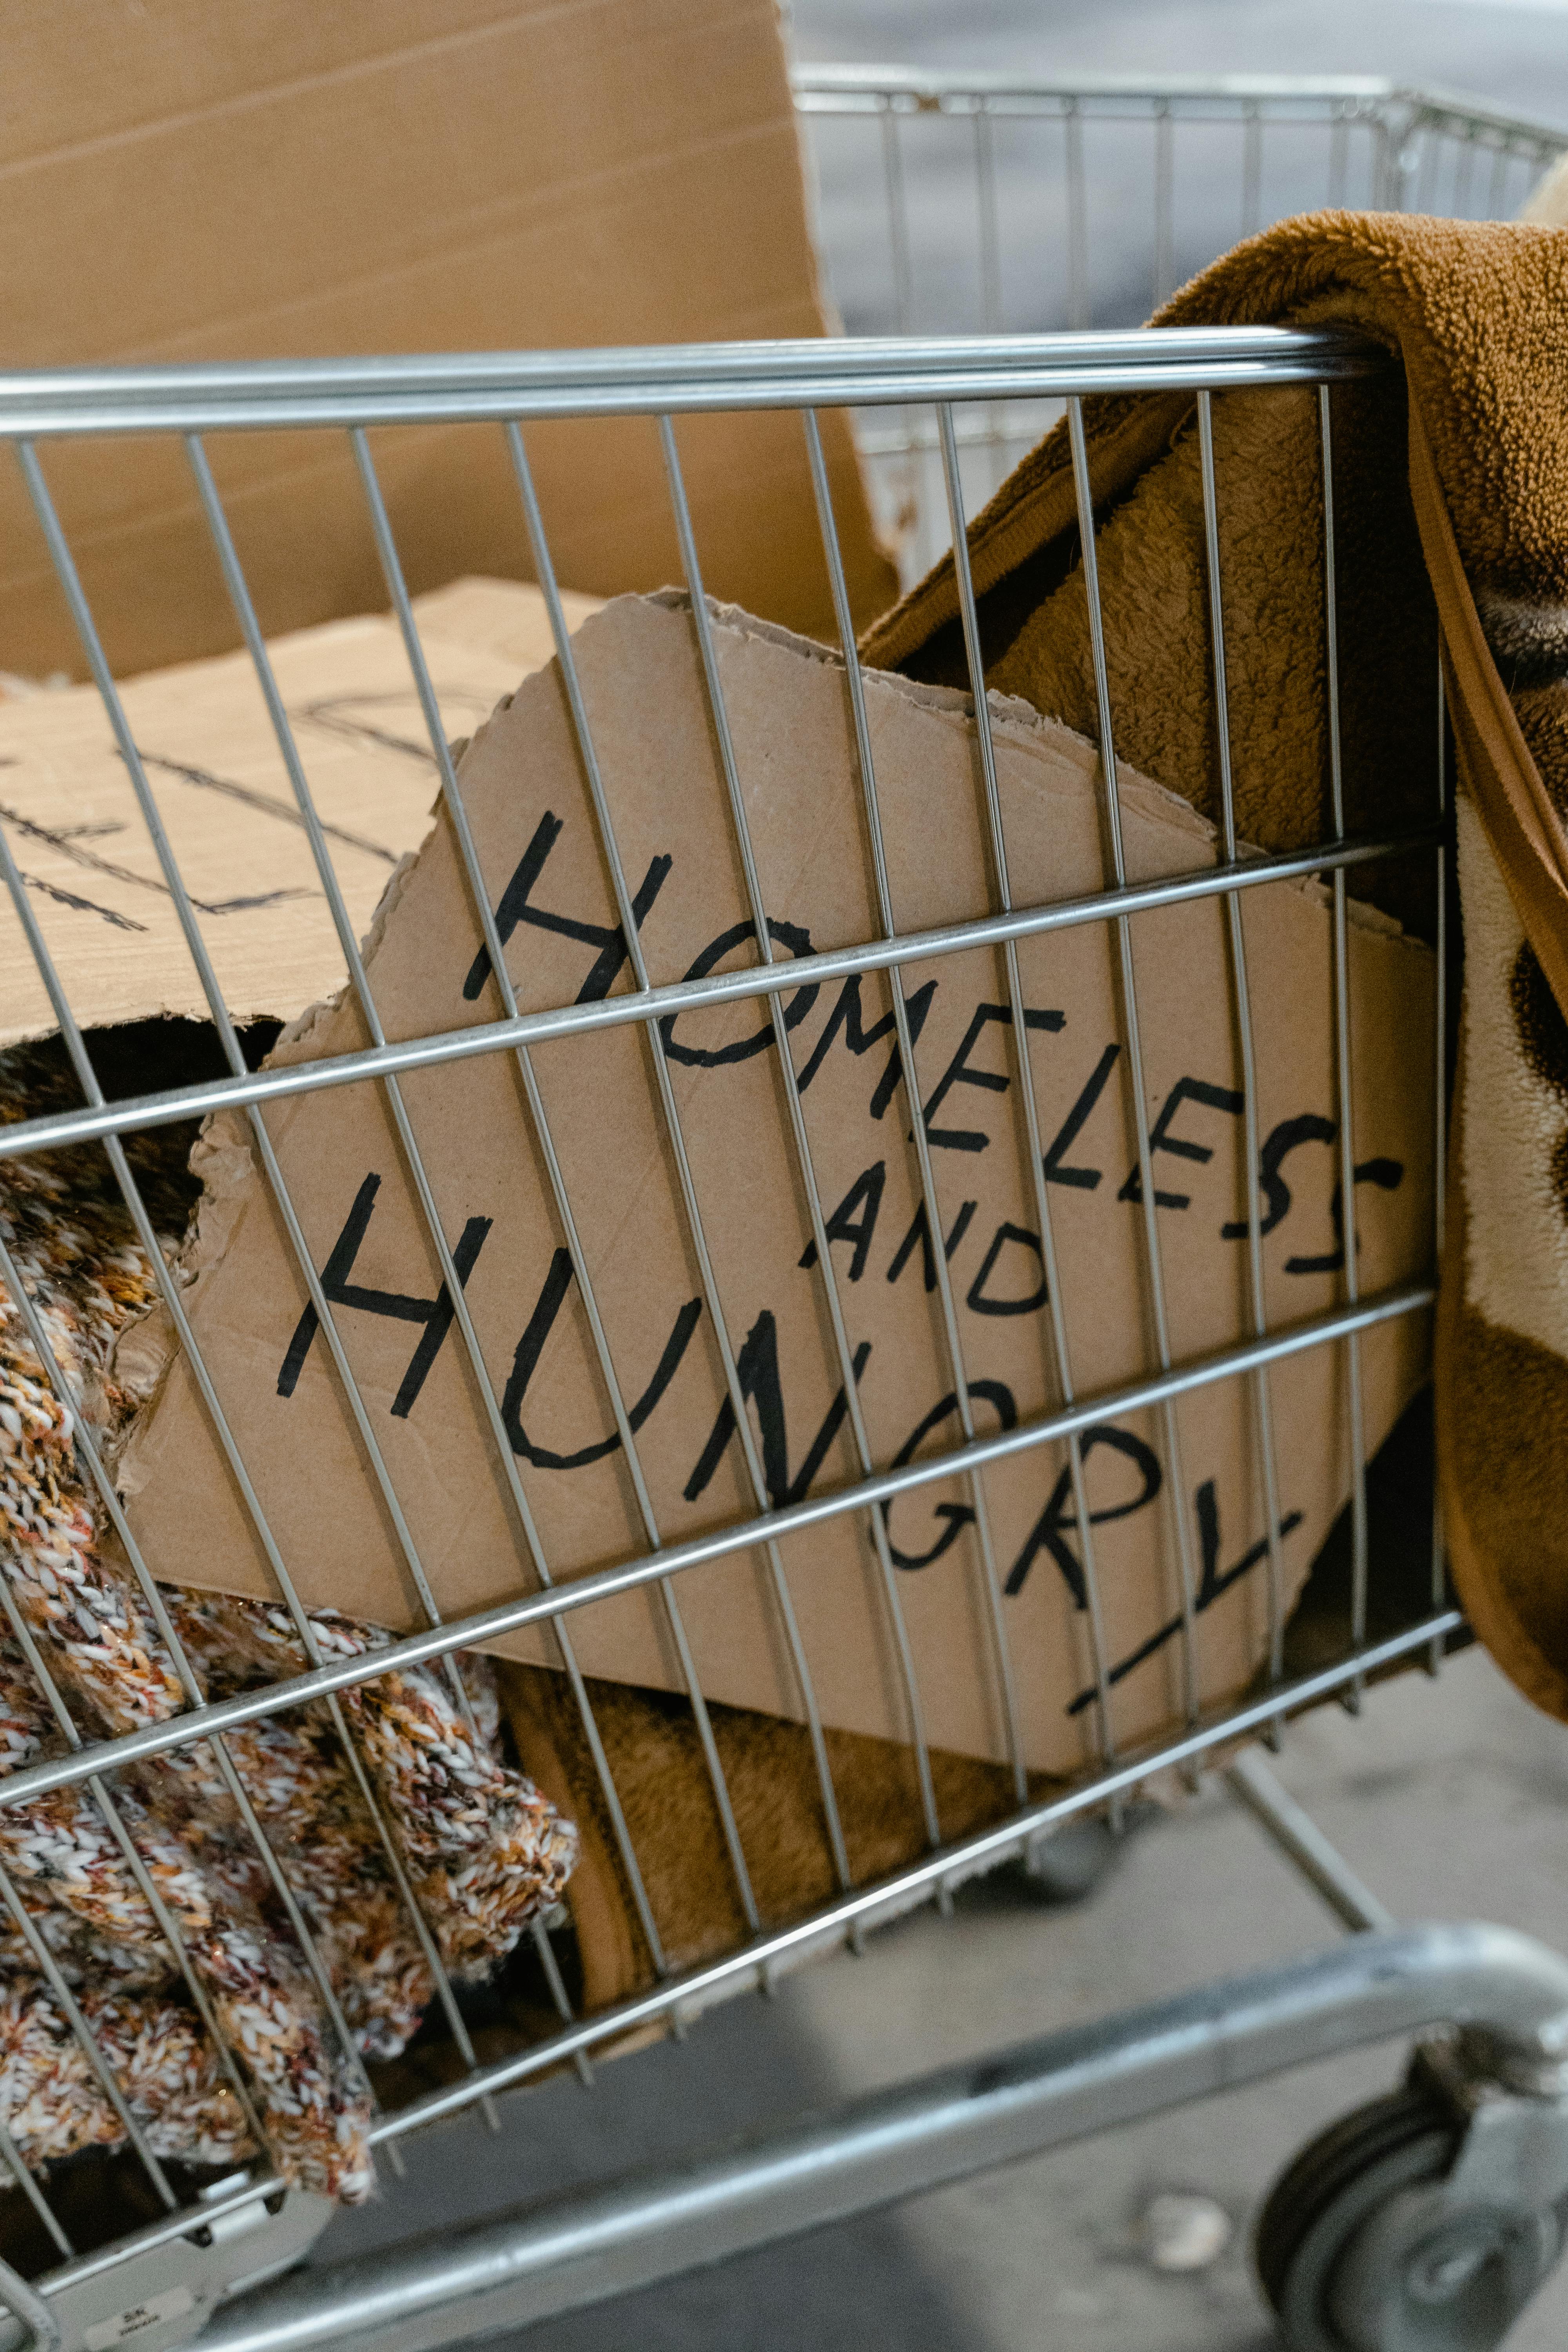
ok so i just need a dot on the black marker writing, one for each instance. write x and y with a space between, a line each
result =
1049 1530
979 1300
1387 1175
1287 1137
1214 1582
757 1367
516 907
844 1225
957 1516
921 1232
845 1015
435 1314
1183 1147
792 936
962 1072
530 1346
1081 1179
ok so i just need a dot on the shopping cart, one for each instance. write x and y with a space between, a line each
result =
1426 2219
999 202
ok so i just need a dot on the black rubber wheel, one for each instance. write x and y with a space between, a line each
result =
1358 2251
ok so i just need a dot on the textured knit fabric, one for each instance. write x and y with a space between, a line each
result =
420 1792
1451 500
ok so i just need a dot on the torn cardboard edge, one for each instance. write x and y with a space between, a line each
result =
226 800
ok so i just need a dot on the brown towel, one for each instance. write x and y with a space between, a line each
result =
1451 488
657 1764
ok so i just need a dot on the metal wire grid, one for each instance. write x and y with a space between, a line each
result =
1013 201
353 396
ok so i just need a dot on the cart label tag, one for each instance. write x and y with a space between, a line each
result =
124 2324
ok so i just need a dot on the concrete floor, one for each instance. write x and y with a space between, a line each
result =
1448 1798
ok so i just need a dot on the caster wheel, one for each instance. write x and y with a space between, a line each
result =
1361 2249
1069 1866
1073 1863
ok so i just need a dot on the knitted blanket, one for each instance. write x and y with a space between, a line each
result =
208 1960
1451 518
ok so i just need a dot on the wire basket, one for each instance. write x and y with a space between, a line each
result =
940 421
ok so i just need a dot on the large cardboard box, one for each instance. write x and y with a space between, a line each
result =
284 180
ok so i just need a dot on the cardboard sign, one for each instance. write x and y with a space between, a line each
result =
788 710
223 794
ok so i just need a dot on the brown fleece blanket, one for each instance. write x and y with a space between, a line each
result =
651 1746
1451 525
1451 515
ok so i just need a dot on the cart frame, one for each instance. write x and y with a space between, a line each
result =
1511 1997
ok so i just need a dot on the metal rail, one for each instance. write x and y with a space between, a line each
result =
871 89
487 1626
823 372
133 1112
864 88
1450 109
526 2265
1300 1839
1040 213
694 1987
815 86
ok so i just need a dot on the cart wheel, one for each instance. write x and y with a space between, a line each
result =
1071 1862
1360 2248
1069 1865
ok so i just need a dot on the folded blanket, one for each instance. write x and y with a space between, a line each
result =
1451 517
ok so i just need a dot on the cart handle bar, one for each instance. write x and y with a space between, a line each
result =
526 2265
822 372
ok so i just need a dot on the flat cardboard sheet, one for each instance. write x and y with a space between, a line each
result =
215 770
422 176
1148 1474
